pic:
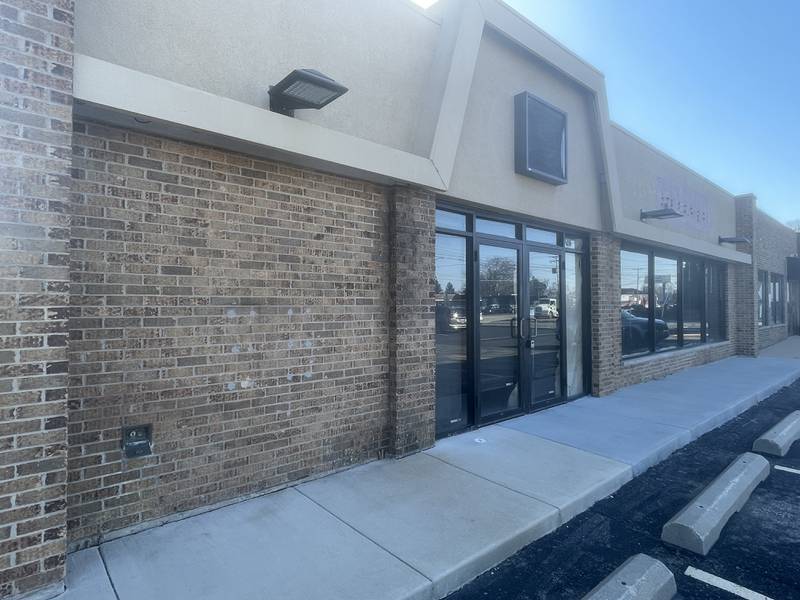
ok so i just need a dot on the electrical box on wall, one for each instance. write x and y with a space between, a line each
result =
137 440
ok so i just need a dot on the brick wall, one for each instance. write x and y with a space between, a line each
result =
744 281
35 125
412 325
242 308
646 368
606 325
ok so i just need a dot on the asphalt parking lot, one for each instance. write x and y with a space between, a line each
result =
759 548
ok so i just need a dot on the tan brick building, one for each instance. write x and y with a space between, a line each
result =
462 237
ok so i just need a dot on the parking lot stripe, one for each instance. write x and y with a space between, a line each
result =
787 469
724 584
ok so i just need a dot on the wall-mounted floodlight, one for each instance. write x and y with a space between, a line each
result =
659 213
303 88
739 239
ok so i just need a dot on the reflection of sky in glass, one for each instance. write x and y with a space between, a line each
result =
451 256
633 271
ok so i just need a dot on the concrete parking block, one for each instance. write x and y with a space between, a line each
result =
698 526
446 523
277 546
563 476
778 440
86 577
589 427
641 577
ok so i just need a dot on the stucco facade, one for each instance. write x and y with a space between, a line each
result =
263 291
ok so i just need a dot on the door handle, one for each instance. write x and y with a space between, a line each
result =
514 327
522 332
535 327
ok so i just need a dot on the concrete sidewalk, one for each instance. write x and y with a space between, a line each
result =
425 525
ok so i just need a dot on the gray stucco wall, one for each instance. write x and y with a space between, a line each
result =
381 51
647 177
484 168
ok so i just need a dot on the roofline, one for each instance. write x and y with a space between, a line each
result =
111 92
542 32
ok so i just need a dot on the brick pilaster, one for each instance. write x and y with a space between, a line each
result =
411 320
744 281
35 125
606 324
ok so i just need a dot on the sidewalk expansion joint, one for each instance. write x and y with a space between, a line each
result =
364 535
108 573
502 485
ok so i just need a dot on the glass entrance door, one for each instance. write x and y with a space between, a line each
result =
512 328
498 342
544 334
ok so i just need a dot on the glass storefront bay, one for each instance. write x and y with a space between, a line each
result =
668 302
510 318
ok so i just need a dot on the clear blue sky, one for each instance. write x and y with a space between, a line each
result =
715 84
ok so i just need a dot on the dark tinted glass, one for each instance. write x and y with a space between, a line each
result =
763 296
715 303
452 318
634 302
777 299
546 139
693 298
450 220
496 228
665 287
499 367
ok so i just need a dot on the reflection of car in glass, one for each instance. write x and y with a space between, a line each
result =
545 311
546 308
637 310
458 319
452 317
635 329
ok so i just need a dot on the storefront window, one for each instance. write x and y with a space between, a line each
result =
573 280
635 302
497 228
541 235
446 219
665 287
669 302
715 303
777 296
452 319
763 297
693 294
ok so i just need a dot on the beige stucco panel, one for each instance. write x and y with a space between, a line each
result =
484 168
647 177
381 51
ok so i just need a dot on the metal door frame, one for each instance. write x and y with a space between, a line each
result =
523 246
523 381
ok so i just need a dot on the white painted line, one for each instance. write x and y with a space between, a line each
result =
787 469
724 584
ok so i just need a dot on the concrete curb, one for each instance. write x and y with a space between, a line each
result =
698 526
778 440
640 577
